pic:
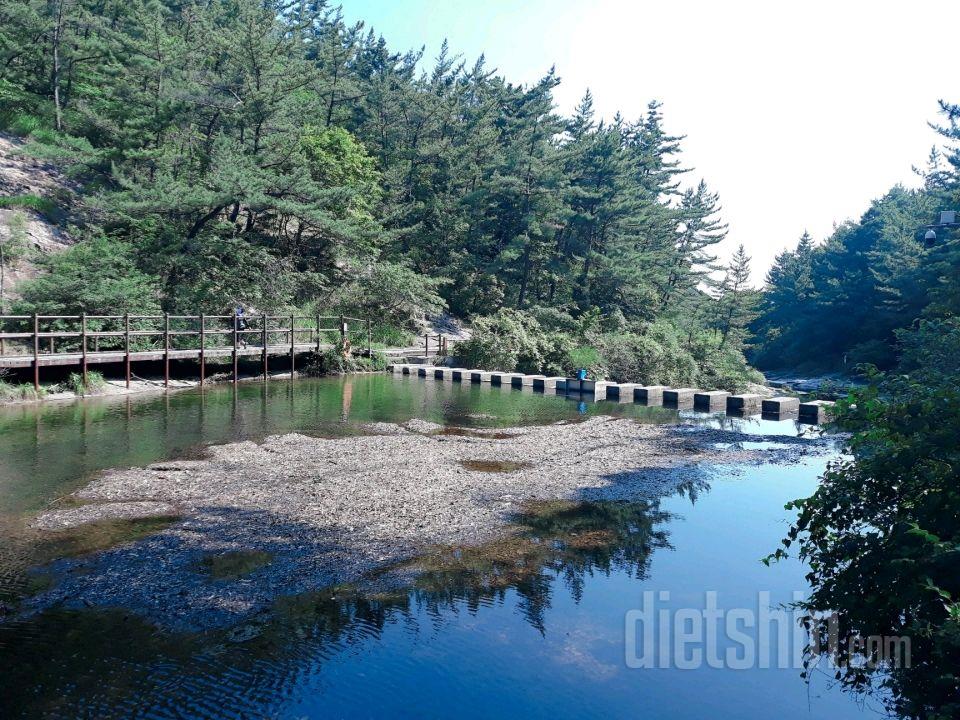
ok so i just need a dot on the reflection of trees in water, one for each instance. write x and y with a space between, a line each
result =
66 663
558 539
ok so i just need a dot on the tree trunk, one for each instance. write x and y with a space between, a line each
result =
522 296
57 37
3 269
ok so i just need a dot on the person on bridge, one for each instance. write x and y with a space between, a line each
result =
241 325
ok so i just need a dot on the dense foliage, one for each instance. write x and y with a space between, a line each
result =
839 304
269 154
882 532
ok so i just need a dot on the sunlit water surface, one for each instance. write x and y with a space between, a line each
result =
536 630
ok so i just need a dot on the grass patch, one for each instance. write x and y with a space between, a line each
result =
234 564
96 536
94 386
10 392
42 205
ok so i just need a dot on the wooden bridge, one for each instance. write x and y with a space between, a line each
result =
35 341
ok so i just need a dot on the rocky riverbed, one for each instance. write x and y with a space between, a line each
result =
317 512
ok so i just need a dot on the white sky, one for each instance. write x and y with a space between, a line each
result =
797 113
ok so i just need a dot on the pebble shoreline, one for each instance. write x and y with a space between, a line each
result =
332 510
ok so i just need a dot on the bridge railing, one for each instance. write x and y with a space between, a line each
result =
41 337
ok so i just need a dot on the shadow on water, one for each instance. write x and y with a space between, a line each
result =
111 663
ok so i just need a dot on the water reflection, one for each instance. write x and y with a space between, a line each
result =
49 450
111 664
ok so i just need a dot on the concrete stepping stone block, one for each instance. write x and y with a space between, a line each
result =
622 392
783 405
649 394
817 411
711 400
549 383
679 397
744 404
529 380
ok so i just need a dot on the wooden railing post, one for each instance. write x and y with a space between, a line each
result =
166 350
265 367
426 345
36 353
236 328
83 346
343 332
203 330
293 350
126 345
369 340
318 334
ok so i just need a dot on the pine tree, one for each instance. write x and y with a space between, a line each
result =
736 298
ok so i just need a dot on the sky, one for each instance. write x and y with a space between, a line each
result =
796 113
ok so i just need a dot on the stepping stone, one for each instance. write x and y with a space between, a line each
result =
649 394
622 392
677 397
573 385
528 380
595 388
480 376
424 371
549 383
711 400
782 405
460 374
743 404
503 379
443 373
816 412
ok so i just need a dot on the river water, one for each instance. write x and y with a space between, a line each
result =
553 624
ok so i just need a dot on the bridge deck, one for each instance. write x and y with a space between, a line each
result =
119 356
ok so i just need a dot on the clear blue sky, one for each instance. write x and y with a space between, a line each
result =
796 113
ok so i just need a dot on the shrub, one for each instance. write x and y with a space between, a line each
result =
96 276
42 205
23 124
94 385
588 358
386 335
509 340
10 392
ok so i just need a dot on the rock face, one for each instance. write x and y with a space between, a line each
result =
330 510
21 175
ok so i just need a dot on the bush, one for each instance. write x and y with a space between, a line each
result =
396 294
881 531
588 358
96 276
653 355
23 124
509 340
44 206
390 336
94 385
10 392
